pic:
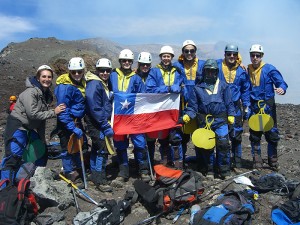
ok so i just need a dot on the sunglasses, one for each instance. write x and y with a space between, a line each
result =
191 51
73 72
145 64
231 53
255 55
104 70
127 60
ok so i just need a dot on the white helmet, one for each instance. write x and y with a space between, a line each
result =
188 42
257 48
126 54
144 57
44 67
103 62
166 49
76 63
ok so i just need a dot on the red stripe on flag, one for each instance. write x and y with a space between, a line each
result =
146 122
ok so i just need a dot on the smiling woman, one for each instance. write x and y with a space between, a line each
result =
27 121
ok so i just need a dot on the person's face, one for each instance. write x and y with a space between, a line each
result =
256 58
126 63
166 59
189 52
45 78
210 72
77 74
144 67
231 58
104 73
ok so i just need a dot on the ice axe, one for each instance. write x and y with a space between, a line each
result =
76 188
82 164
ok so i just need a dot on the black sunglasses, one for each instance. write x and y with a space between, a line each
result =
145 64
104 70
255 55
187 51
127 60
76 71
231 53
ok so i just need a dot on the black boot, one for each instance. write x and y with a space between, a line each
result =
123 175
99 179
273 162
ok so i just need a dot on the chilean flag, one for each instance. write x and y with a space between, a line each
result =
137 113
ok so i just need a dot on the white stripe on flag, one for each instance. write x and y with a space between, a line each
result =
149 102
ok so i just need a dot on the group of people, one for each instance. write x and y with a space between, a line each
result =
223 89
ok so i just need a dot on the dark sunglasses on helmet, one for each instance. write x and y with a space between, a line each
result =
76 71
187 51
212 71
231 53
104 70
257 55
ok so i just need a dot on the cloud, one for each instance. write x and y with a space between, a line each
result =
11 25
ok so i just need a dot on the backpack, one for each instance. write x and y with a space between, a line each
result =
173 189
230 208
17 203
287 213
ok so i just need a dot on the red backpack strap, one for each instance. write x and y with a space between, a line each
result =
22 188
4 182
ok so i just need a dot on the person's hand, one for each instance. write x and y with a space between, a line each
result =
186 118
231 119
109 132
60 108
175 88
78 132
279 91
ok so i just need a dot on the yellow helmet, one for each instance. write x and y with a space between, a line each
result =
12 98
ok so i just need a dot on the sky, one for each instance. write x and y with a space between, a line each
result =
275 24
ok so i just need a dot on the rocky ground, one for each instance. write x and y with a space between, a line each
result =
288 150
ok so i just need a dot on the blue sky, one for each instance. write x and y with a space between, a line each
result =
271 23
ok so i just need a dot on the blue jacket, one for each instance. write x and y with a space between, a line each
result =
269 78
219 104
189 82
163 81
130 83
73 95
98 105
240 88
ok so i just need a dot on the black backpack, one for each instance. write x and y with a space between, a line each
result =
17 203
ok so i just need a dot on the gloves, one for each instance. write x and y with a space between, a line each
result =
175 88
246 113
186 118
231 119
78 132
109 132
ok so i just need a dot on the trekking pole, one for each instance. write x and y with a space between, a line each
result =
76 188
82 164
150 165
150 219
76 202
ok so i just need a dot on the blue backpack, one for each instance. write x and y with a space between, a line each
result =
230 208
287 213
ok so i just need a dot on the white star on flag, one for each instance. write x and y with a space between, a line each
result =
125 104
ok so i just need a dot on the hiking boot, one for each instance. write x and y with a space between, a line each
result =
210 175
73 176
123 173
224 175
145 177
179 165
237 162
257 162
273 163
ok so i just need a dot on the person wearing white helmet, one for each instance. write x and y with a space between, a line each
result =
144 65
98 113
266 80
70 89
190 67
165 78
125 80
236 77
28 121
